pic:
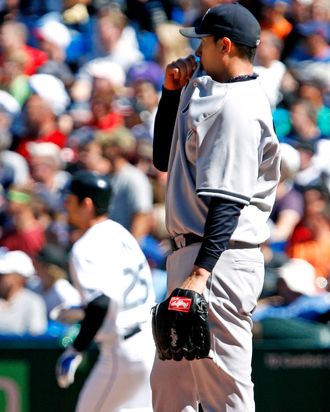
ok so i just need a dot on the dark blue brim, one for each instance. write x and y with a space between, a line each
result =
191 32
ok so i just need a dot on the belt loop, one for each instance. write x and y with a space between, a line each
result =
184 239
180 241
173 244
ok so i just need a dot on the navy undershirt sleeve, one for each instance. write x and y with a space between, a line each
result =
164 126
221 221
95 313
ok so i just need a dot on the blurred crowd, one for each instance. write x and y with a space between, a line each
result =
80 82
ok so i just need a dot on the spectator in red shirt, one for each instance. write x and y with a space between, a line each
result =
274 18
99 90
24 232
13 36
107 85
42 111
311 238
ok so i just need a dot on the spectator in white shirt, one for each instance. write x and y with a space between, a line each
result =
22 311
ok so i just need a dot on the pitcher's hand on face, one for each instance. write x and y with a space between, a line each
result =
178 73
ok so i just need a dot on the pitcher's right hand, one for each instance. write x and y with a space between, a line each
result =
179 72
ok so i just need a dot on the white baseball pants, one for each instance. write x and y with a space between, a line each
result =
120 379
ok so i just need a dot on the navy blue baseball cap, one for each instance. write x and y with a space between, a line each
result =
227 20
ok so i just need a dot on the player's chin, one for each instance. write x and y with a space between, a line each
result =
73 222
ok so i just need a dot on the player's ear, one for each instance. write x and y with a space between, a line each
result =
225 45
88 203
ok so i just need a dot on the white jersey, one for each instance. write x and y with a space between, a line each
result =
108 260
224 145
271 79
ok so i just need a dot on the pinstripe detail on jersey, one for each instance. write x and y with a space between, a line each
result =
227 195
185 108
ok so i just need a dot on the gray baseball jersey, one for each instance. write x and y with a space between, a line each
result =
223 145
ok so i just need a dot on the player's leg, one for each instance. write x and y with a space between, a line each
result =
138 354
93 389
173 383
104 390
120 379
173 387
225 382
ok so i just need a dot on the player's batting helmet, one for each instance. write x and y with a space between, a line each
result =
97 187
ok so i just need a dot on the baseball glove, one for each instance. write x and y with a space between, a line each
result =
180 326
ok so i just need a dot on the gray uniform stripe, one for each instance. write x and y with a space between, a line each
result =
245 199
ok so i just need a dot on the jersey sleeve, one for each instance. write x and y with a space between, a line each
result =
164 126
227 158
95 314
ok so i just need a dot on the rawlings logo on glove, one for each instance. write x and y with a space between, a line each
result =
179 304
180 326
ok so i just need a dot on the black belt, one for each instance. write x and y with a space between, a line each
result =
132 332
187 239
184 240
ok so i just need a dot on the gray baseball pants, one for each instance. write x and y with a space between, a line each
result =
222 383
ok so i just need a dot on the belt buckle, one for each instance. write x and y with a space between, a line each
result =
180 241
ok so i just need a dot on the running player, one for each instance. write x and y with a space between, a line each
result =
114 280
